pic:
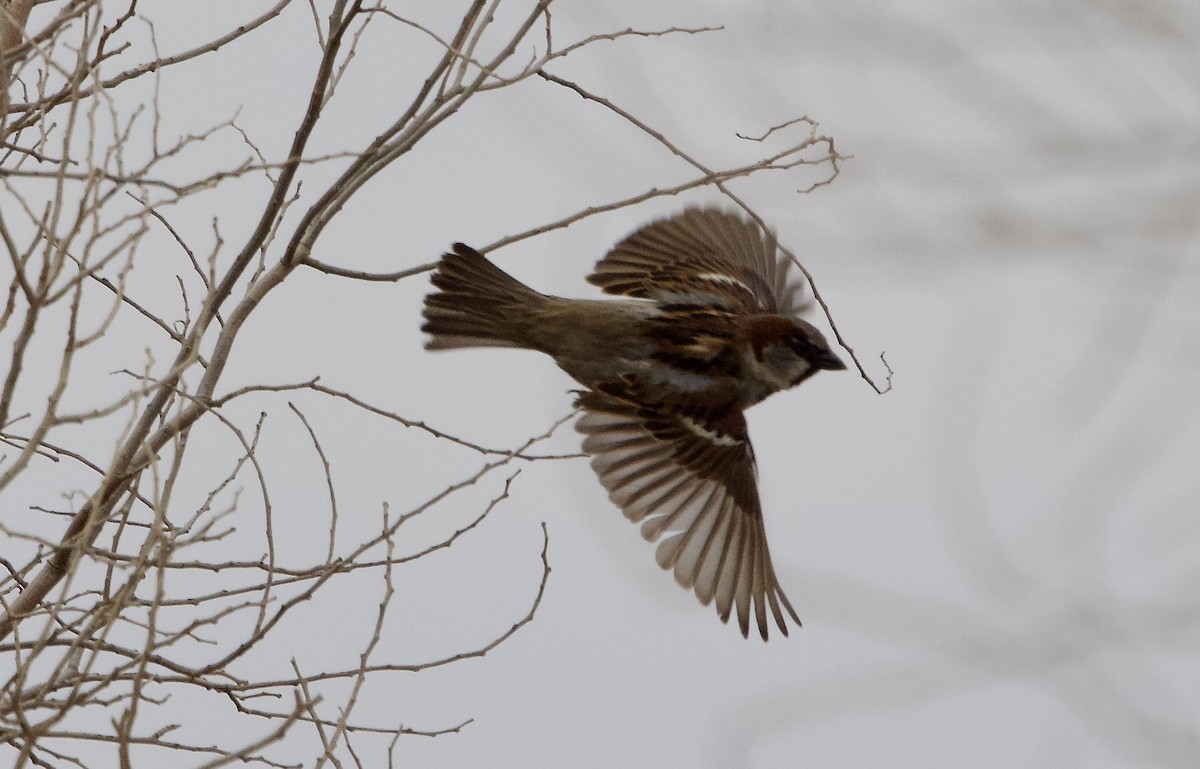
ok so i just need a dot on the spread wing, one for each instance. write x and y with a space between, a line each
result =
702 256
690 480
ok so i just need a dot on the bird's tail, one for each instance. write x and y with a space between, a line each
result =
477 304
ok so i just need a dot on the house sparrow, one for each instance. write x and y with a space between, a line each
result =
709 329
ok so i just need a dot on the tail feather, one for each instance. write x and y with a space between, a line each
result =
477 304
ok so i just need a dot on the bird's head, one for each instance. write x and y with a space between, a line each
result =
786 351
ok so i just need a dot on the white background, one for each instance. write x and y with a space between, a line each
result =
995 563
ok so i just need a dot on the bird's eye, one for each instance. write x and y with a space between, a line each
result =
798 345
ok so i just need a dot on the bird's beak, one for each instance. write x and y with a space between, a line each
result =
830 362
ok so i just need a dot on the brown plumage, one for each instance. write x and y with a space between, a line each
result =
709 328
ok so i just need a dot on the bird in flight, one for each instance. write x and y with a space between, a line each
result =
709 326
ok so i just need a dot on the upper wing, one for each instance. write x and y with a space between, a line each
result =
700 256
690 477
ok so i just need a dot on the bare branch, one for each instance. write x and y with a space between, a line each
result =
138 572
